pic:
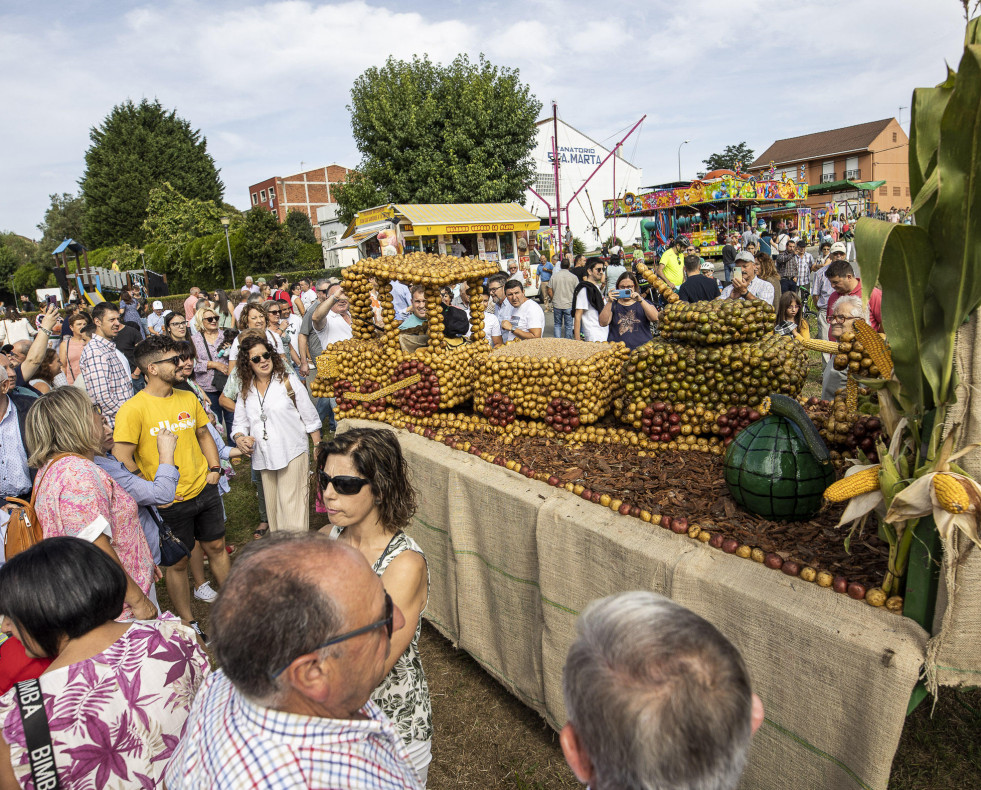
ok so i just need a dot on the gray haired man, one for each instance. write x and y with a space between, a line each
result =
656 697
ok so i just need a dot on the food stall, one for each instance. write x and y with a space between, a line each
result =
487 231
705 208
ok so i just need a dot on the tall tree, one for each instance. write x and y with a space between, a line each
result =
461 133
174 221
139 147
299 228
265 242
64 219
730 157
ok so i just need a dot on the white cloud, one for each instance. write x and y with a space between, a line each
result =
267 82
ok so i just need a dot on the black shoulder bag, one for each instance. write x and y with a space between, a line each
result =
219 379
172 548
37 734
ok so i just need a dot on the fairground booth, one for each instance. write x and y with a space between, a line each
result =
707 208
488 231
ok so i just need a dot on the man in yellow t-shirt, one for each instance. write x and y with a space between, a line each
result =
671 267
197 513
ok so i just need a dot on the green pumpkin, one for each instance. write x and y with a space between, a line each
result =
778 467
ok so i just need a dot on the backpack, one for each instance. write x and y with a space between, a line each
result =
24 527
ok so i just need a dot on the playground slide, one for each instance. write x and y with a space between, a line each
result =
94 296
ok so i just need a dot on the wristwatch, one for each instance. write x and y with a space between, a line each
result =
217 469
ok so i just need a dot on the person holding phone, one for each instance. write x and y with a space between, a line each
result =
627 315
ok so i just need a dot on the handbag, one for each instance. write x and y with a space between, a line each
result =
219 379
37 734
24 527
172 548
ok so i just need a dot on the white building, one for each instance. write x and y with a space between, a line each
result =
331 229
579 156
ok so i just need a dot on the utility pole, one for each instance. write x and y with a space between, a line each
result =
555 170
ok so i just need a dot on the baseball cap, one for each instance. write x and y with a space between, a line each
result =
158 305
261 280
707 265
745 256
838 247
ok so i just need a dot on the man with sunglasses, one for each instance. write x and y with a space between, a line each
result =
302 631
196 513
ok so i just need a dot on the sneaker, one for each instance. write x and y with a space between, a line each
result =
205 593
201 634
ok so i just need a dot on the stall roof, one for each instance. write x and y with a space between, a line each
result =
845 186
435 218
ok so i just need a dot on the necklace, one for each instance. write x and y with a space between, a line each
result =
262 407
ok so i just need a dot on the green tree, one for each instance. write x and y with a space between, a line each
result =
174 221
64 219
29 277
265 243
461 133
137 148
729 157
15 251
299 228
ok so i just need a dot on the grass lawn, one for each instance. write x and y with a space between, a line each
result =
484 737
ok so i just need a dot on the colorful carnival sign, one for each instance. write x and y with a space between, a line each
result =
697 192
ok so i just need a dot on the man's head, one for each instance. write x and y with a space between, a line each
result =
418 304
825 248
304 284
747 263
24 299
512 268
693 264
680 244
105 316
708 269
195 291
656 696
495 284
841 276
18 352
158 307
846 311
838 251
249 281
8 374
514 290
159 357
286 598
751 248
595 271
342 304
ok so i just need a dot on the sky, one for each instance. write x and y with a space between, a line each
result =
267 83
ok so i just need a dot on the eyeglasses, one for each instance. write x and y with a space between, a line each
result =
211 319
387 622
840 319
178 324
259 357
172 360
323 291
345 485
274 312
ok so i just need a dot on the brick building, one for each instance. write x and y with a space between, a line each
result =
304 192
849 160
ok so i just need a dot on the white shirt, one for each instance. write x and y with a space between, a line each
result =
294 331
155 322
527 317
759 287
271 336
308 297
286 425
590 320
335 329
492 327
503 312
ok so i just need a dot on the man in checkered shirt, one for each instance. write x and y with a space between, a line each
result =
301 630
105 371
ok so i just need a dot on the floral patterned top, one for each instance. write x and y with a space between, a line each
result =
73 492
404 693
115 718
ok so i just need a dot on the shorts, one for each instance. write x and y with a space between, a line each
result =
201 518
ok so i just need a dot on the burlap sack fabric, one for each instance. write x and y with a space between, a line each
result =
954 653
514 561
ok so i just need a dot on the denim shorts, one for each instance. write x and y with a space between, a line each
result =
201 518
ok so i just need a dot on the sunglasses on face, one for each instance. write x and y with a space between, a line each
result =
273 312
345 485
177 358
259 357
211 319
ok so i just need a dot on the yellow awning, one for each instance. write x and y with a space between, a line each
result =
456 218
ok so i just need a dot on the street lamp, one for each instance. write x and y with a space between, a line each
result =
679 159
231 265
142 259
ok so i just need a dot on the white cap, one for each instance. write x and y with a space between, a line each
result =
839 247
158 305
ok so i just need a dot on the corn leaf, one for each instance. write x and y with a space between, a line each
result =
901 258
924 136
955 222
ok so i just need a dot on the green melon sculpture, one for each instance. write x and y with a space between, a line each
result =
778 466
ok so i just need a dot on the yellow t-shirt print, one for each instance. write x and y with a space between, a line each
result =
143 416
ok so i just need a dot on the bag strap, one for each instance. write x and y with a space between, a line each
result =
37 480
37 733
168 532
289 391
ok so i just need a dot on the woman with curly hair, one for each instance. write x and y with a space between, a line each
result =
364 482
254 316
273 415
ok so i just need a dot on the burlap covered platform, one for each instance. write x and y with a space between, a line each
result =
513 561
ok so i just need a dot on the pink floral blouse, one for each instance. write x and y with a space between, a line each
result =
115 718
74 492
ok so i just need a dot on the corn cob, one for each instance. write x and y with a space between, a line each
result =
951 495
875 348
824 346
851 395
859 483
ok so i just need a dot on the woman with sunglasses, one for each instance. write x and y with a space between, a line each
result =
207 342
273 416
364 483
175 326
254 317
225 318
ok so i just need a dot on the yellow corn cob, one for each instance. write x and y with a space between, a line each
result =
950 493
875 347
851 394
859 483
823 346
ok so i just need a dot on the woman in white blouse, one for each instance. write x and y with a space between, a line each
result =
273 415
